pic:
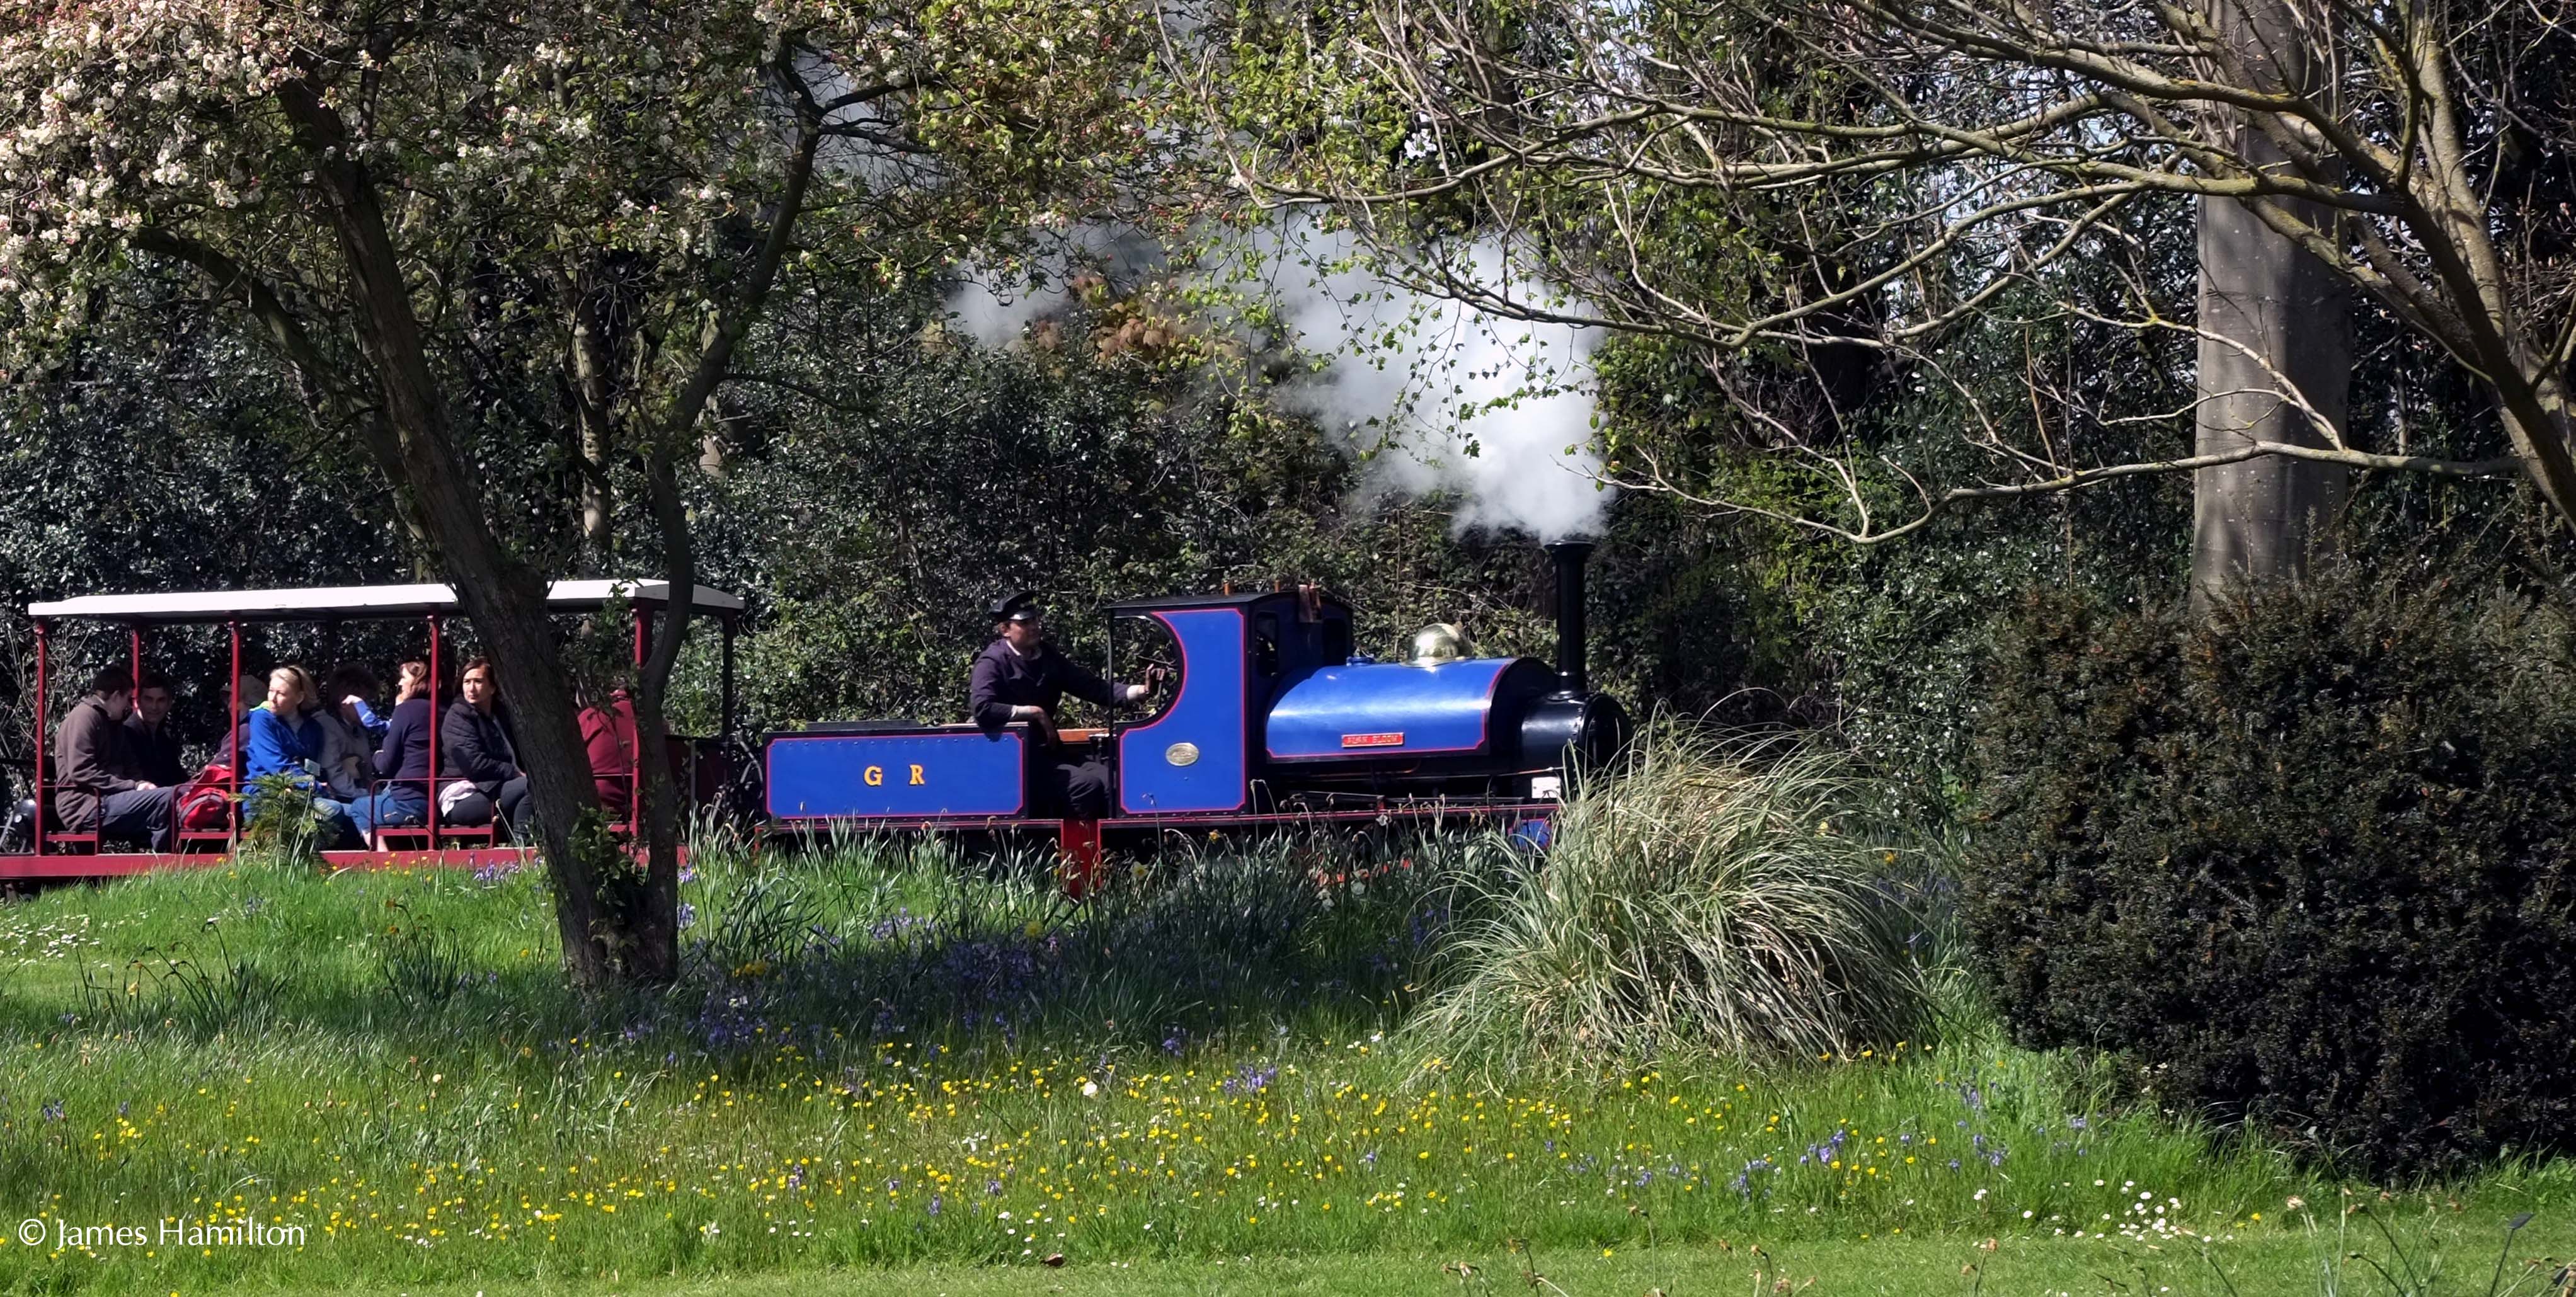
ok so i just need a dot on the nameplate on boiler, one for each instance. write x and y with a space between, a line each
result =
1391 739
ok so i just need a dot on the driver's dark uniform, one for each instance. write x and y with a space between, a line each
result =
1005 678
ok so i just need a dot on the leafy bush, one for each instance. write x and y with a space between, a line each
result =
1709 895
284 818
2305 859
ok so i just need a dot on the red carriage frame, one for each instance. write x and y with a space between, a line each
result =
61 853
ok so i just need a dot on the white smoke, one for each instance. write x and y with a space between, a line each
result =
995 311
996 303
1436 397
1441 397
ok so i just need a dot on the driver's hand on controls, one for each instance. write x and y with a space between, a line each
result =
1155 678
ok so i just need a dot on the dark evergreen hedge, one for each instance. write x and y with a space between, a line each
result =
2306 861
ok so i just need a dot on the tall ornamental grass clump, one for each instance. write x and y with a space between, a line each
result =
1708 895
2305 859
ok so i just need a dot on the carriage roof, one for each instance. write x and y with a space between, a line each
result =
327 603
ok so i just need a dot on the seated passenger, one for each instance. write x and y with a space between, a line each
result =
281 737
247 693
348 742
1020 677
608 737
97 789
475 753
404 758
354 687
148 740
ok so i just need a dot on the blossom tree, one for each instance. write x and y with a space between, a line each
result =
418 203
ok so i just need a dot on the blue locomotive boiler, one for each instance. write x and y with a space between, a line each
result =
1274 719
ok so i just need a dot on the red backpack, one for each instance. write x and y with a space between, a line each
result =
206 802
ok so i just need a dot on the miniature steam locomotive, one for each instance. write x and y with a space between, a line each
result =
1274 720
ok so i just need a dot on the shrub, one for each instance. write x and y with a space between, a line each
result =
283 818
2304 859
1708 896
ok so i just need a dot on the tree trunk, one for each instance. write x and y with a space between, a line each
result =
416 448
586 353
657 932
2262 520
2540 420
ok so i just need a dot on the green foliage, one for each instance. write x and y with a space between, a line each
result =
161 455
2305 859
283 817
417 963
1704 896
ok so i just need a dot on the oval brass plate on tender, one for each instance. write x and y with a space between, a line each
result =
1182 754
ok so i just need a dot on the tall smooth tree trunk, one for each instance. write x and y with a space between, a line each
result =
2262 520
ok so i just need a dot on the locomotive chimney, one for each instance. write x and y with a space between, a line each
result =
1570 556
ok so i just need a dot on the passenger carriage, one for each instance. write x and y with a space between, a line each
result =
54 852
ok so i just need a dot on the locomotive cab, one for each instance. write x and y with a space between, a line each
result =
1274 709
1201 753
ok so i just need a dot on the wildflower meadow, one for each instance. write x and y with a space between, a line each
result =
887 1055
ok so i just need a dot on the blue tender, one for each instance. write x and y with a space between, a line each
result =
951 771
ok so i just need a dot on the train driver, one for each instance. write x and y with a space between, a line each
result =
1020 677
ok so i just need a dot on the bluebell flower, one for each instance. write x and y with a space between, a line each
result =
1743 1181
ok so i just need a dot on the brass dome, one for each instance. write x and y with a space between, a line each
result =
1437 643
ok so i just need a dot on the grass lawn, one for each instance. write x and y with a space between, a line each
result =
2455 1256
929 1078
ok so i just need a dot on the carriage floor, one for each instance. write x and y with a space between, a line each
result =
119 864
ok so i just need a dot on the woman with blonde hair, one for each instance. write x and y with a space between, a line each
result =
282 738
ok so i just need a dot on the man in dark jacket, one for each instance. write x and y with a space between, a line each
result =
96 788
148 740
1021 678
474 748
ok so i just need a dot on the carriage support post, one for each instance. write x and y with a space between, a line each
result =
432 813
1078 843
37 826
236 725
724 722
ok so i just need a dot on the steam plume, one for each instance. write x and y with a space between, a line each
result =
1444 398
1437 398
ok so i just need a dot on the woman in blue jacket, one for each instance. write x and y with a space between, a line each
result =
281 739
